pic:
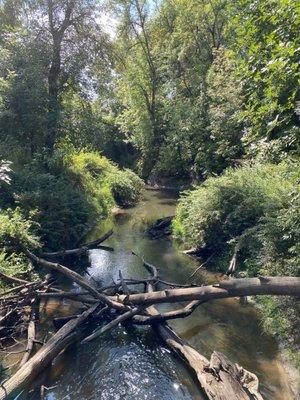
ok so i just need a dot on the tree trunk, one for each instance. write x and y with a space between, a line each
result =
279 285
53 93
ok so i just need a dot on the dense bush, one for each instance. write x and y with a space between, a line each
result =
15 230
104 180
220 211
125 186
62 212
257 208
277 252
66 197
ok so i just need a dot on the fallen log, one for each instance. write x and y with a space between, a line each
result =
31 331
75 277
219 378
74 296
17 288
160 228
61 321
218 381
279 285
80 250
32 368
112 324
30 342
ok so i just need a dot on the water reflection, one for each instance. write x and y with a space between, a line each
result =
129 362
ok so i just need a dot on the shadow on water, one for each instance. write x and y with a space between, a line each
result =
130 362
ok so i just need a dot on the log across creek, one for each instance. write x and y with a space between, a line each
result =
219 378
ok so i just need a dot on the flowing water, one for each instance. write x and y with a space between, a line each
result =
129 362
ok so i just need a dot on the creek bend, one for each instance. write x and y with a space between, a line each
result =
130 362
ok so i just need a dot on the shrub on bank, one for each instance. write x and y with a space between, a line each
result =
101 178
125 186
257 210
218 213
62 212
15 230
66 197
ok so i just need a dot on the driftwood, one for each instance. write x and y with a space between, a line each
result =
287 286
74 296
19 308
81 250
112 324
12 279
161 228
32 368
232 265
219 378
200 266
174 314
61 321
30 342
219 381
75 277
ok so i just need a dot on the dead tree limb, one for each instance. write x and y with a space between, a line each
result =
74 296
219 380
75 277
30 342
12 279
279 285
162 317
44 356
232 265
18 288
112 324
80 250
200 266
218 384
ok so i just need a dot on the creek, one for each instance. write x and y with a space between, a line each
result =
129 362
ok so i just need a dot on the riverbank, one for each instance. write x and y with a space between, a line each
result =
248 219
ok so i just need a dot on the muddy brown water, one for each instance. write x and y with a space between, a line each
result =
130 362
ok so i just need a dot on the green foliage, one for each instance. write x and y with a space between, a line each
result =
103 180
15 230
125 186
267 44
223 208
256 208
204 82
16 265
66 199
23 94
62 212
223 146
89 172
